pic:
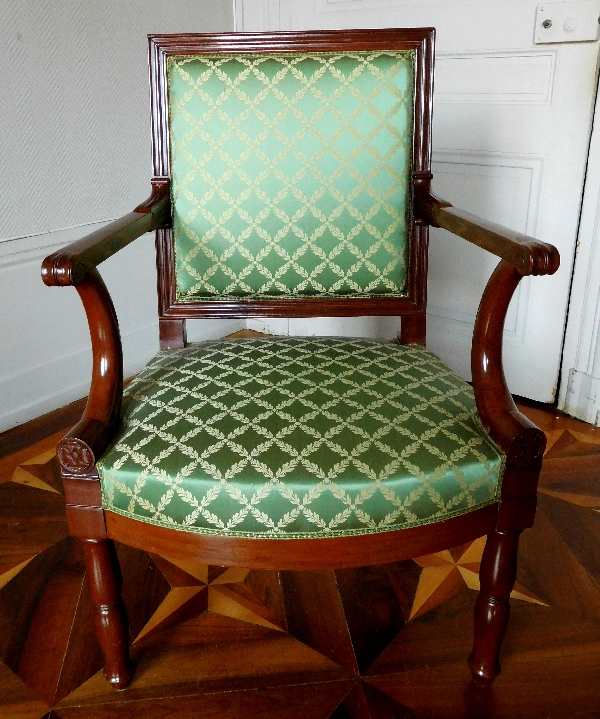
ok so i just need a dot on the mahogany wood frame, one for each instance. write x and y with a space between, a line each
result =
521 440
420 41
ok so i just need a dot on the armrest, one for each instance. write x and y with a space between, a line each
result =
70 265
76 265
528 255
521 255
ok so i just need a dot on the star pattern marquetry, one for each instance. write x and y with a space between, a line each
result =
576 489
446 573
198 588
41 472
10 570
570 442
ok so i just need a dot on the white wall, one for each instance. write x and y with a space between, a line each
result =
74 151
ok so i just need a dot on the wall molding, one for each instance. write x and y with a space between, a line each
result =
332 6
488 77
64 379
55 383
263 15
33 248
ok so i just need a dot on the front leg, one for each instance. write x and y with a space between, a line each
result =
497 578
104 584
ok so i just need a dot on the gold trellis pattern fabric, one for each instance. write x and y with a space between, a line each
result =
290 174
298 437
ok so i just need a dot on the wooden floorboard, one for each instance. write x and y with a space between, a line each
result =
236 643
25 435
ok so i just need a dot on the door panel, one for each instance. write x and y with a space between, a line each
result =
511 132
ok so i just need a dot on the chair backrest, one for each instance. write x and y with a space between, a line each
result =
292 159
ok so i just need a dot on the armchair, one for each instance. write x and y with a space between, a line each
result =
292 179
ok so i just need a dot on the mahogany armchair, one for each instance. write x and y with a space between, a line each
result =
292 179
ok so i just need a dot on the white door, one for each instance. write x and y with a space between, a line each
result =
512 123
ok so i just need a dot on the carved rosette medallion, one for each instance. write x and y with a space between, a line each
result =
75 456
527 448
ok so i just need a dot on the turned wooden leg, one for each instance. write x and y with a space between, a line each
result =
497 578
110 618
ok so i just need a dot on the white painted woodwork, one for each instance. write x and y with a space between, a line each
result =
512 122
572 21
580 380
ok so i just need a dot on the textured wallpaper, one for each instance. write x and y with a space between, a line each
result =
74 105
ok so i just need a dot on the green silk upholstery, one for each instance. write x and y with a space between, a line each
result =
291 174
298 437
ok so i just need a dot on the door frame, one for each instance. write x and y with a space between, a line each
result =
579 392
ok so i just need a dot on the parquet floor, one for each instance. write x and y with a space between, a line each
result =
233 643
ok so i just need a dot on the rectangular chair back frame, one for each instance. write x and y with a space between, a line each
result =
162 47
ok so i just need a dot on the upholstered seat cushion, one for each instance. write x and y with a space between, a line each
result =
298 437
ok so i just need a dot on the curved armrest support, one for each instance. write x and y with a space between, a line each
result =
78 450
76 265
528 255
519 438
70 265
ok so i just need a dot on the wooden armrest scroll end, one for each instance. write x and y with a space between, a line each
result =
528 255
72 264
62 269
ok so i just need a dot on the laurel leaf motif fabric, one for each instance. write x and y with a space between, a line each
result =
290 174
298 437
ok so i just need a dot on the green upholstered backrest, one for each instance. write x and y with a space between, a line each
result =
290 173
